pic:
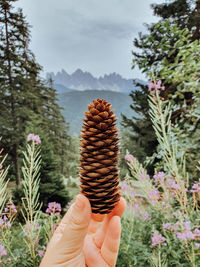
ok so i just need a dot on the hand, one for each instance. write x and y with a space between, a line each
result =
84 239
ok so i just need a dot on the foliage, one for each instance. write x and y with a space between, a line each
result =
184 73
161 43
163 215
138 135
52 186
37 227
28 104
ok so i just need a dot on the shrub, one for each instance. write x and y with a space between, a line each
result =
161 226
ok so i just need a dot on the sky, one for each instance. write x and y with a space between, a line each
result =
93 35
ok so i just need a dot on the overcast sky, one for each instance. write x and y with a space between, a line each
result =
94 35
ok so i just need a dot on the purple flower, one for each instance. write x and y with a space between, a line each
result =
8 224
145 217
129 158
2 251
166 225
9 259
136 206
150 86
156 86
10 207
157 239
185 235
144 176
171 184
195 188
197 245
159 177
34 138
124 186
40 253
54 208
197 232
153 195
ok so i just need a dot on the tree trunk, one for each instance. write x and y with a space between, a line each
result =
12 103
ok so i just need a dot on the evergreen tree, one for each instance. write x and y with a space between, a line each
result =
52 187
28 104
179 12
18 81
56 126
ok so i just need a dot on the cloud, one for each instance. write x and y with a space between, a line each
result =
107 29
90 34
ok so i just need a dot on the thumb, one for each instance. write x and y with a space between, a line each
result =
76 228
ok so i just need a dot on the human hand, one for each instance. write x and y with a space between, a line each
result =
84 239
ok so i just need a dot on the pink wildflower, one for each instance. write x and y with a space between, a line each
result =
195 188
10 207
156 86
145 217
2 251
34 138
157 239
53 208
144 176
153 196
159 177
40 253
187 234
130 158
172 184
166 225
197 232
124 186
8 259
197 245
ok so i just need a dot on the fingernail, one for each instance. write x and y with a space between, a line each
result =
79 202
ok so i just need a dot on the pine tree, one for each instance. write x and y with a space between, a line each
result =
18 81
52 187
151 53
56 126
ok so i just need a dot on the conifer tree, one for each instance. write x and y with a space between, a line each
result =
18 73
28 104
182 14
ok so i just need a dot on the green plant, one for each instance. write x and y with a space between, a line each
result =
161 226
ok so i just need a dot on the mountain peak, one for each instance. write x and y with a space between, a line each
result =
80 80
78 71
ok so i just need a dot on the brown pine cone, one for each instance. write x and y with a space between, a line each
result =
99 157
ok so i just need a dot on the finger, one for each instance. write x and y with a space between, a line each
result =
77 222
110 247
96 222
119 208
101 232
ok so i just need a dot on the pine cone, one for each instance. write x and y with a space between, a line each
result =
99 157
